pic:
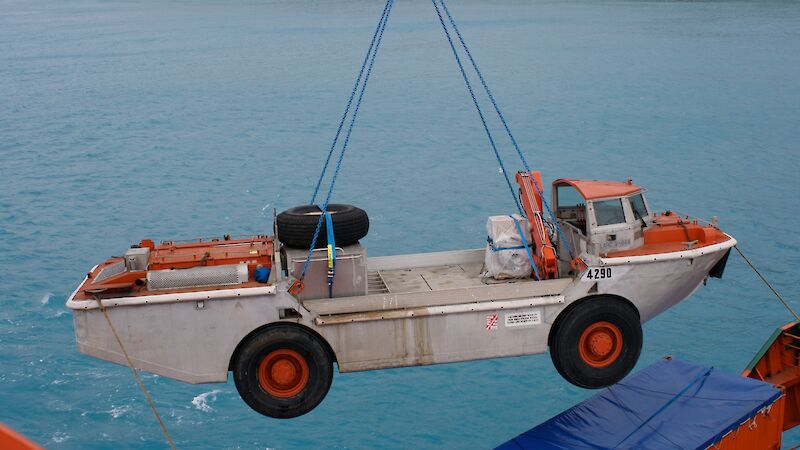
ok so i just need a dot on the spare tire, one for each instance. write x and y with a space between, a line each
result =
296 225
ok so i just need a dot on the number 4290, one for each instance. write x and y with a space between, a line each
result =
597 273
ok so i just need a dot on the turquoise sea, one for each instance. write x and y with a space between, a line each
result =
178 119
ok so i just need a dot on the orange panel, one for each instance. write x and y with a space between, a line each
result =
670 233
760 432
253 252
256 251
777 363
544 255
594 189
11 440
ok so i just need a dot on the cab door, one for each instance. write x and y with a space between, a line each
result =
611 226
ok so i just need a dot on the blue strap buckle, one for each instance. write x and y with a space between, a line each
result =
331 252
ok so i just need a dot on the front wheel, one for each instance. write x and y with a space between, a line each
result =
597 343
283 371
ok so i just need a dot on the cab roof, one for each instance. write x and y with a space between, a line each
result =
595 189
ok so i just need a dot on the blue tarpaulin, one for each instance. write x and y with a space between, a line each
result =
670 404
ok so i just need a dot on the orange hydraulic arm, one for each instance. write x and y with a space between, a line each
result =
544 255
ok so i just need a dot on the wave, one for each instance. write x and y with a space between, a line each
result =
201 401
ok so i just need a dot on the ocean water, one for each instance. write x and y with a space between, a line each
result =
177 119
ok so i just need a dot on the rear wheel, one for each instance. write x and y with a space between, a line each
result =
597 343
283 371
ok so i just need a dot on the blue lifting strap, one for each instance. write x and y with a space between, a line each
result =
369 62
500 249
497 110
331 252
527 248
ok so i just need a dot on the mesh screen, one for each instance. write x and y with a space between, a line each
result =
110 271
197 276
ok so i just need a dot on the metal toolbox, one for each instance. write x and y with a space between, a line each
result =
351 271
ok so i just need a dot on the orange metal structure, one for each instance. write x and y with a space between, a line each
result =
252 251
762 431
670 232
544 255
595 189
256 251
778 363
11 440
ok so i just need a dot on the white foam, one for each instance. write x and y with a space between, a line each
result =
117 411
60 437
201 401
45 298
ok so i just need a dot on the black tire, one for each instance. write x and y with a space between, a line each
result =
291 398
296 225
584 346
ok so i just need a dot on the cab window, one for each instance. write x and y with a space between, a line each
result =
608 212
638 207
571 207
568 197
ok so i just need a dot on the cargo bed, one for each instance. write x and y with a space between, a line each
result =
425 284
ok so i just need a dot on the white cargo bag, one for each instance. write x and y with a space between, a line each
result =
505 253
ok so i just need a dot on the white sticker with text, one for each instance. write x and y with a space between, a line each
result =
525 318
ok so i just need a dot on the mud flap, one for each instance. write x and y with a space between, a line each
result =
719 268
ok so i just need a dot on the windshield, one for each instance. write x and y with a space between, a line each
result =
638 206
568 197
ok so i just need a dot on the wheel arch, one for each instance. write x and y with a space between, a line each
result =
583 300
310 330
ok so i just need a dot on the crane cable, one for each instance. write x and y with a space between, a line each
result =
369 61
367 64
376 36
135 372
769 285
507 129
474 99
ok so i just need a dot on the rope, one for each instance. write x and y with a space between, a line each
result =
749 263
502 120
369 61
135 373
349 103
372 54
477 106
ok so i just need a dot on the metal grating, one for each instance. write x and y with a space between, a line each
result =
197 276
109 271
375 284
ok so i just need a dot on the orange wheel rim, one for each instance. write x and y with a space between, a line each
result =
600 344
283 373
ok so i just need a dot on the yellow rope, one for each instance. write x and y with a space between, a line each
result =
135 373
786 305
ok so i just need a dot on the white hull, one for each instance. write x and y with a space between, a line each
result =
192 337
655 283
